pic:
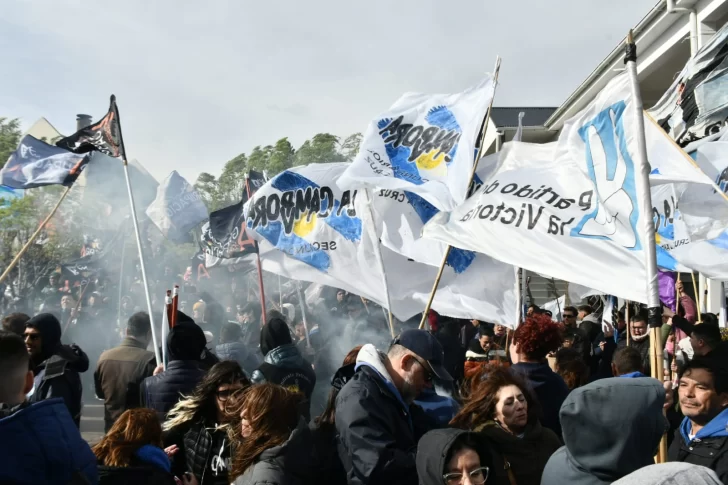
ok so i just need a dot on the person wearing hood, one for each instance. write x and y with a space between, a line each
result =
185 344
450 456
283 363
503 411
377 423
702 438
587 321
639 339
273 441
56 367
611 428
671 474
534 339
40 442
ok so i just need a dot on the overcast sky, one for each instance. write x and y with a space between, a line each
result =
197 83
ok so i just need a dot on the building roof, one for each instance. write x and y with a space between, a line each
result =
508 117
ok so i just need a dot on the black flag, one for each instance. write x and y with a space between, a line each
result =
225 235
103 136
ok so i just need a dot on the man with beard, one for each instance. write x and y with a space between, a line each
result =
56 367
639 340
378 426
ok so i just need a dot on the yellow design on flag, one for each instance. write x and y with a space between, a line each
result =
305 225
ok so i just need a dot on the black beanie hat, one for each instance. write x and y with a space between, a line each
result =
274 334
185 341
50 330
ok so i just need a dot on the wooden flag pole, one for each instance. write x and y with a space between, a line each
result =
699 317
626 320
137 233
33 237
479 145
260 267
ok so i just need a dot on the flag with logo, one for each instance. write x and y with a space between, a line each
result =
569 209
225 235
102 136
311 230
423 144
36 164
177 209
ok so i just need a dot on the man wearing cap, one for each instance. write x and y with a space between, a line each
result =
377 424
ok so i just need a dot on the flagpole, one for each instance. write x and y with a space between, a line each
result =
642 179
257 258
280 293
33 236
142 266
481 139
303 314
378 254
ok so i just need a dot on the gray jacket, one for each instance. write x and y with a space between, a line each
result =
292 463
611 428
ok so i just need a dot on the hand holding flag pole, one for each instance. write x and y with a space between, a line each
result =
479 149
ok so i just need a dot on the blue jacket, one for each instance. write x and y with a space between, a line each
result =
163 391
237 352
440 408
716 428
41 444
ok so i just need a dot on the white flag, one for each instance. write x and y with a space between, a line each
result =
424 144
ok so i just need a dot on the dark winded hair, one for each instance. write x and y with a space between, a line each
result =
139 324
479 406
273 414
201 404
626 360
571 367
537 337
585 308
717 369
15 322
134 429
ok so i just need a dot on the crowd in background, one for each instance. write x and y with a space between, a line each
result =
249 397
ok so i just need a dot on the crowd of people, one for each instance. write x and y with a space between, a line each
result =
253 397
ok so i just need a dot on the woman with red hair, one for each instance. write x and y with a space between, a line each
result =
533 341
131 452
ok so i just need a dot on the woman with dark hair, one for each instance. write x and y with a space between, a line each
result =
273 444
448 456
533 341
198 427
131 452
503 410
324 427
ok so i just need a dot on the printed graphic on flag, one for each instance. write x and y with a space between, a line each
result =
304 219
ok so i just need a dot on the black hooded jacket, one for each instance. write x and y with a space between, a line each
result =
57 369
611 427
433 452
283 364
185 344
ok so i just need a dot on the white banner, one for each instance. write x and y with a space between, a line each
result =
424 144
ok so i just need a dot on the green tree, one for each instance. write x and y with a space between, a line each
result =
281 157
230 183
9 138
322 148
206 186
258 158
350 147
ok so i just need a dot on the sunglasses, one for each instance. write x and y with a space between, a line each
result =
569 315
225 394
477 477
429 376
